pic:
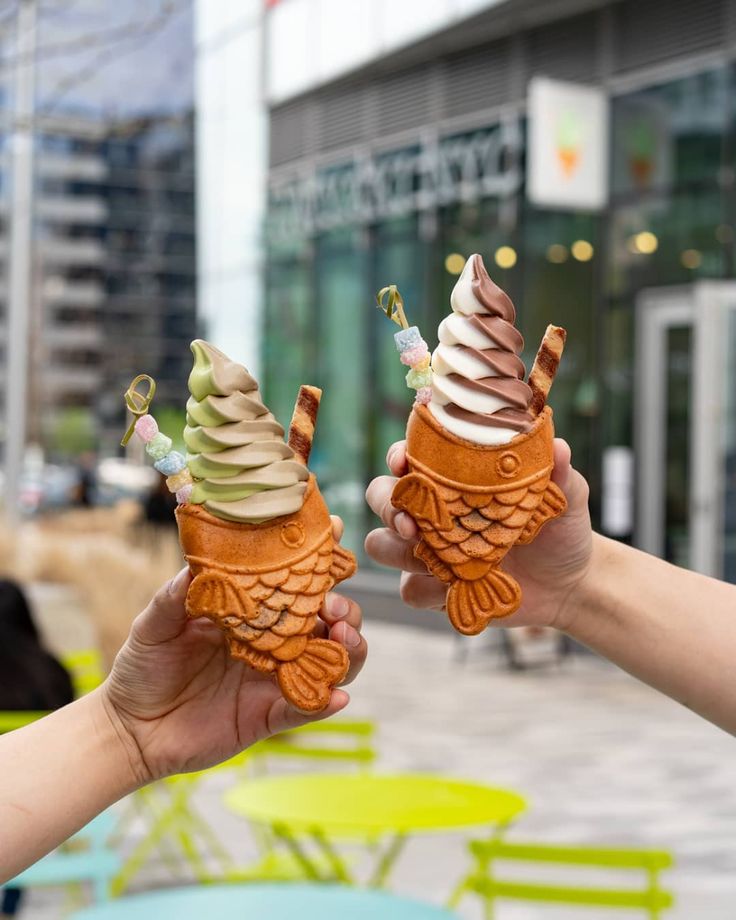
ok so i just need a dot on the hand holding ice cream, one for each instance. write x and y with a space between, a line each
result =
480 453
255 529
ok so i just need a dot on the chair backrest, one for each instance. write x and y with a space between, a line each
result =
16 718
85 669
86 857
347 741
648 897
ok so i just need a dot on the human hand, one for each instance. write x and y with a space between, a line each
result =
548 569
179 702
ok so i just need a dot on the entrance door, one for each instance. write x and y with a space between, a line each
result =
685 435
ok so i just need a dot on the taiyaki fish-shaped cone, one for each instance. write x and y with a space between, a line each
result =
264 585
256 531
472 503
480 454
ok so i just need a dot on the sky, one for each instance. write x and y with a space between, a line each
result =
114 58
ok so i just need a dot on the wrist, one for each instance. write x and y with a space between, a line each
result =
127 761
586 599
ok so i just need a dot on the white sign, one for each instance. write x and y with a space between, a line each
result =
567 156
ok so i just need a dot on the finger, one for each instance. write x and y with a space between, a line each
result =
337 608
572 483
354 644
379 492
165 617
338 528
282 717
423 592
562 454
378 495
387 548
396 459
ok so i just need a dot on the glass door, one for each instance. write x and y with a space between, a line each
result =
685 440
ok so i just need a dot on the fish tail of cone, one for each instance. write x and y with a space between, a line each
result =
307 682
472 604
545 366
303 422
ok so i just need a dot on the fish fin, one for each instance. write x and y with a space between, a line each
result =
308 680
424 553
553 504
214 595
416 494
343 564
258 660
471 605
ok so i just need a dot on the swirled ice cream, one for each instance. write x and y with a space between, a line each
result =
478 391
241 466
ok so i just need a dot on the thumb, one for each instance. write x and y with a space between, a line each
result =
165 617
283 717
572 483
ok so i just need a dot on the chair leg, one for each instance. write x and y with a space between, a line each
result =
457 895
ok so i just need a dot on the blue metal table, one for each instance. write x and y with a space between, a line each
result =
275 902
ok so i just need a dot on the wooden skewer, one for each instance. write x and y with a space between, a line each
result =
545 367
301 430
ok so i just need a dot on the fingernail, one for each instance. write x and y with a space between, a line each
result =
404 525
338 606
340 699
350 637
389 455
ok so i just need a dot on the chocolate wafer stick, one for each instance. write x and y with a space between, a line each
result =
545 367
301 430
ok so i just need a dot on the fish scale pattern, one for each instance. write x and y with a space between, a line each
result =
483 522
274 612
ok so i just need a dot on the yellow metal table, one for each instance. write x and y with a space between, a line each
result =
321 811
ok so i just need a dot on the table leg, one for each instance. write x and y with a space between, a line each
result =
292 844
333 857
387 862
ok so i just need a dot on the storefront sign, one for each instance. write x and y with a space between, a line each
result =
376 186
567 163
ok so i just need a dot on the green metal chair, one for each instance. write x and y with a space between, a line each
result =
485 881
85 668
349 742
176 832
17 718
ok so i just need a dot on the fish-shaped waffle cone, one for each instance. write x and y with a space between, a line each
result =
264 585
472 503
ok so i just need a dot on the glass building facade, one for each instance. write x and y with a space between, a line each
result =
669 222
114 241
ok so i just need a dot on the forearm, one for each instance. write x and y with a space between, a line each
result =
58 773
672 628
